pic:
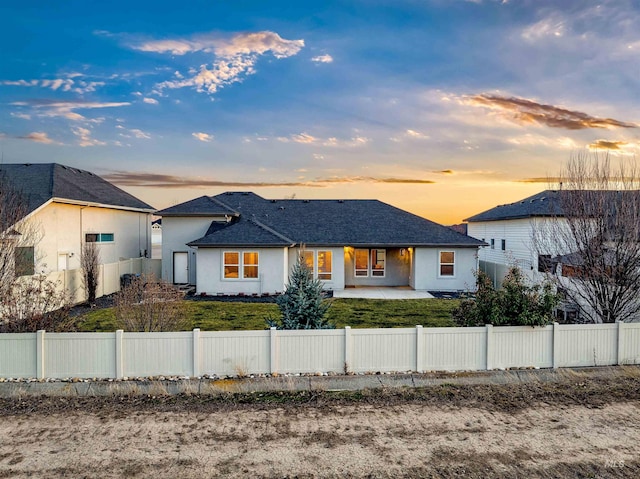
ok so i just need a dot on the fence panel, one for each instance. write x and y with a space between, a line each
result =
231 353
383 350
79 355
630 344
153 354
587 345
311 351
111 278
18 355
454 349
522 346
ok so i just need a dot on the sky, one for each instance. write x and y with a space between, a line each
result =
444 108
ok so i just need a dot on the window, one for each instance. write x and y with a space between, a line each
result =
362 262
447 263
250 261
324 265
98 237
24 261
503 245
545 265
238 265
493 243
378 257
307 256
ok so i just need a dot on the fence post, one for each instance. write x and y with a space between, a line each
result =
419 345
273 363
196 352
40 365
489 328
347 349
119 355
620 343
556 331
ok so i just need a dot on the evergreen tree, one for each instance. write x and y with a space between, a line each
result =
302 305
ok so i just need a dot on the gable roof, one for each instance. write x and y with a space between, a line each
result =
202 206
545 203
41 182
259 221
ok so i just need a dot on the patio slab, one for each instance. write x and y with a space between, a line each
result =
372 292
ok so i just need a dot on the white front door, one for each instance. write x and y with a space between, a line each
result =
62 262
180 268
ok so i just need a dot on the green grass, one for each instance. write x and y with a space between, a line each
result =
357 313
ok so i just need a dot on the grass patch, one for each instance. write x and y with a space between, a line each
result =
357 313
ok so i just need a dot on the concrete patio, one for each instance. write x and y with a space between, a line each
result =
373 292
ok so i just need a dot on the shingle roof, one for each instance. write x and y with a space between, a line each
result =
546 203
325 223
40 182
202 206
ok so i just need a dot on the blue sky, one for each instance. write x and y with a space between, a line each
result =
443 108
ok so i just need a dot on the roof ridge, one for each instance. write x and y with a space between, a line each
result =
213 199
270 230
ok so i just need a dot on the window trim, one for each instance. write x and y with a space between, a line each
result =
384 263
370 269
240 265
99 238
441 264
503 245
317 271
355 263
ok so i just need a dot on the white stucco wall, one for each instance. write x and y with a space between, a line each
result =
426 265
61 229
272 272
176 233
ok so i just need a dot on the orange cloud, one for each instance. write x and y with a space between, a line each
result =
607 145
528 111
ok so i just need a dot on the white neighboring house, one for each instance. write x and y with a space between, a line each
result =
509 231
68 206
239 242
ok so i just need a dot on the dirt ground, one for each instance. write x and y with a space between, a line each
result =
573 428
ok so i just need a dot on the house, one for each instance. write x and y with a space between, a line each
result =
66 207
239 242
509 231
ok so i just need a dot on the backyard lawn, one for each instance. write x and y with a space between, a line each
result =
357 313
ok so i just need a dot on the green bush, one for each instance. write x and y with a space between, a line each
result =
515 304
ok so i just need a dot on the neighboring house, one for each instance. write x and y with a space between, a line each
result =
67 207
239 242
509 231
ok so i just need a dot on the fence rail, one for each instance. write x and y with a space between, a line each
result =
236 353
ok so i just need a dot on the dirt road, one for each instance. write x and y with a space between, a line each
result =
572 428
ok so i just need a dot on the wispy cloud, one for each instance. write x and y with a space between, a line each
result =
133 133
409 135
326 58
235 57
205 137
608 145
305 138
66 109
69 83
36 136
22 116
152 180
150 101
85 138
524 111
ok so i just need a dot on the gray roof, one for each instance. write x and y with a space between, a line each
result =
40 182
363 223
546 203
202 206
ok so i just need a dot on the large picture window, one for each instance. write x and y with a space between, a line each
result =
324 265
237 265
378 259
362 262
447 263
370 262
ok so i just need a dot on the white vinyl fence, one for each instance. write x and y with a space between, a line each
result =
238 353
108 276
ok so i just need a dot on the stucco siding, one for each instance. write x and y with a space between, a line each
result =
272 264
61 230
426 263
396 273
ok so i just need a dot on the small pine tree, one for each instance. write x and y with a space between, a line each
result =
302 305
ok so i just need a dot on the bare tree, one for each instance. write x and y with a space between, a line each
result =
89 262
595 237
146 304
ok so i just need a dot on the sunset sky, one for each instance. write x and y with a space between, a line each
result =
441 107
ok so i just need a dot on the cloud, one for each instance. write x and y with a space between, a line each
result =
409 135
22 116
150 101
133 133
607 145
66 109
444 172
84 137
38 137
206 137
235 57
67 84
323 59
153 180
526 111
308 139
